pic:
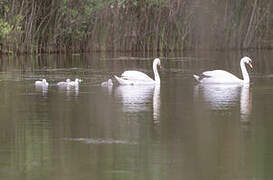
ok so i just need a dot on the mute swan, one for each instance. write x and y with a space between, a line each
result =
66 83
107 83
220 76
138 78
41 83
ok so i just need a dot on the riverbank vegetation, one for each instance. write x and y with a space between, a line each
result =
72 26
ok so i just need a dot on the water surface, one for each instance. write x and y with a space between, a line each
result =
179 130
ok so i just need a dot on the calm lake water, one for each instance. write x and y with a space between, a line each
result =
180 130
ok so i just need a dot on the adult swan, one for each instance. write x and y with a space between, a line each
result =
139 78
220 76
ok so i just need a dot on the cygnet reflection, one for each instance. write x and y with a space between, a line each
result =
140 98
69 90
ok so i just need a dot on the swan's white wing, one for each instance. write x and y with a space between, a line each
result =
124 81
135 76
219 74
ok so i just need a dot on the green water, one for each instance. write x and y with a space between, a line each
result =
180 130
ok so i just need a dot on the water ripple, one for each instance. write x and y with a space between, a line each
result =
100 141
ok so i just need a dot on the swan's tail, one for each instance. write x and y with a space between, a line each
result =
120 80
108 83
197 78
123 81
117 78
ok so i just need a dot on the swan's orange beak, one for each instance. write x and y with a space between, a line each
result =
160 66
250 65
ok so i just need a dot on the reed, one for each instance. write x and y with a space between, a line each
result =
71 26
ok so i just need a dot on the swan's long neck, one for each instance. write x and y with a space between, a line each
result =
244 72
157 78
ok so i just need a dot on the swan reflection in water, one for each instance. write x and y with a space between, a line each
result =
245 102
156 104
140 98
224 96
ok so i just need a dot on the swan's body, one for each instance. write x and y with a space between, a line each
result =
221 76
108 83
139 78
66 83
41 83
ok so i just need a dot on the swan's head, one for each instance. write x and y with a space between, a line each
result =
248 61
157 62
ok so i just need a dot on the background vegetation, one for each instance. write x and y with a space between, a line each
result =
39 26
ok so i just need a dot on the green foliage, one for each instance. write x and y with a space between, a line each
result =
135 25
5 28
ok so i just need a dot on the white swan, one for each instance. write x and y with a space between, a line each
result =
66 83
41 83
139 78
220 76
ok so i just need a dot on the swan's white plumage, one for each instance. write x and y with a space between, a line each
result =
138 78
136 75
221 76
